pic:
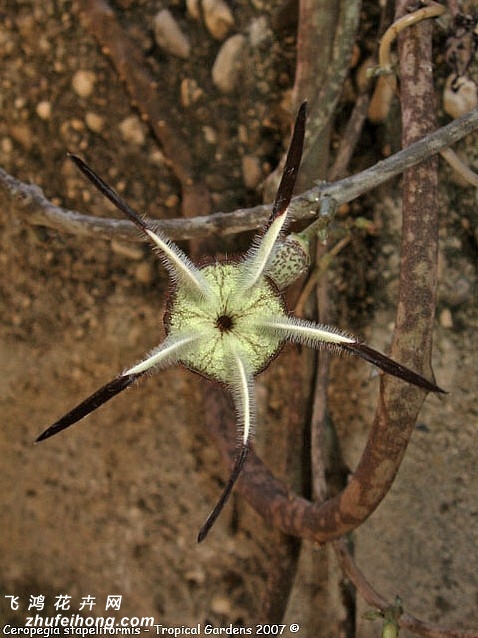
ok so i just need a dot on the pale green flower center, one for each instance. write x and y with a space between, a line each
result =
228 322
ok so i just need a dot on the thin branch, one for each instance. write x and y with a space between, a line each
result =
399 404
351 187
31 205
320 79
319 450
417 289
129 62
351 135
317 22
453 7
385 66
405 22
374 599
285 549
460 167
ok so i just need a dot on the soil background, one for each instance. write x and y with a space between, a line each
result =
113 505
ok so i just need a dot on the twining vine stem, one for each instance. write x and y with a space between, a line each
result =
33 207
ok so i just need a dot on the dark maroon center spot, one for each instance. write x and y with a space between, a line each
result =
224 323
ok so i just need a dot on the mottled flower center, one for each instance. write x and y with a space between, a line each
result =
227 323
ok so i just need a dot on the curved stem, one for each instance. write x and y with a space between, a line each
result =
399 404
30 204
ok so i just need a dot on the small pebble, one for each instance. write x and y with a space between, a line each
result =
157 157
172 201
169 36
218 18
196 576
83 83
221 605
144 273
132 130
460 292
259 32
446 319
43 110
22 134
251 171
6 145
131 251
19 103
94 122
226 68
76 124
194 9
210 134
190 92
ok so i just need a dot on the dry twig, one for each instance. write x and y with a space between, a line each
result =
376 600
129 62
31 205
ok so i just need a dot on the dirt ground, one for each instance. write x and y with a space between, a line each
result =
113 506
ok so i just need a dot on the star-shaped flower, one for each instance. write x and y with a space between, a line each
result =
228 320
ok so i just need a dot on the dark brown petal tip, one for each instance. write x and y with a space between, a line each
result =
291 168
390 366
108 192
214 515
94 401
